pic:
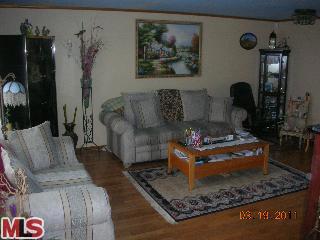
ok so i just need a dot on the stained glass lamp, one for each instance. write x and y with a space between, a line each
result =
14 94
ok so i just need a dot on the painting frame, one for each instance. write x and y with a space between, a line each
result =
248 40
183 59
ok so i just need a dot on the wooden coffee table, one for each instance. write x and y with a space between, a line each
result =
189 168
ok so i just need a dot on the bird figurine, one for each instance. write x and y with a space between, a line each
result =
37 31
98 27
45 31
80 33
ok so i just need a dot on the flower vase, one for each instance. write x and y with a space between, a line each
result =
70 132
87 110
86 84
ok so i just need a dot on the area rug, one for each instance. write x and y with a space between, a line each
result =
169 194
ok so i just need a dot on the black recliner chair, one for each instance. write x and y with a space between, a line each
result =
243 97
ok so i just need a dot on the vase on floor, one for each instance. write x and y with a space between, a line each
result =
70 132
87 112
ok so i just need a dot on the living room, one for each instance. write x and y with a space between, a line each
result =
223 63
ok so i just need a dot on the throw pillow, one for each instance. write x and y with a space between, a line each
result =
128 98
195 104
11 164
35 146
220 109
146 112
170 105
65 150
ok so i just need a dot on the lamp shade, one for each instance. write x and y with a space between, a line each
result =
14 94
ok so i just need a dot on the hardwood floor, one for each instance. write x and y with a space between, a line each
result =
134 218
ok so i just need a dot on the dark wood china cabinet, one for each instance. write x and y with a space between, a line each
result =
31 59
272 91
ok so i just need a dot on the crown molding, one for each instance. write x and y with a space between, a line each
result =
57 7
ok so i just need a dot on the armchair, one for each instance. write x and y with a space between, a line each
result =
295 121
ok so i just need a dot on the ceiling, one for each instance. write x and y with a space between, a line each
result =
259 9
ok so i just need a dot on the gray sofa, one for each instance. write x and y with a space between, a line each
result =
63 194
177 110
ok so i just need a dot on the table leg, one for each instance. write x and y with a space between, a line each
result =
170 151
192 160
307 146
300 141
265 159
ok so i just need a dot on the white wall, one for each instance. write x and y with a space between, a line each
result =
304 63
223 60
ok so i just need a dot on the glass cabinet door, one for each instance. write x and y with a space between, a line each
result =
272 87
271 84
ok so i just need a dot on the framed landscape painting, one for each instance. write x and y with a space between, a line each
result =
168 49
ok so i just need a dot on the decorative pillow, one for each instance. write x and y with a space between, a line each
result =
11 164
65 150
35 146
220 109
8 187
195 104
170 105
114 105
147 112
128 98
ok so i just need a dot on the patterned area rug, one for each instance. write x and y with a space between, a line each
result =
169 194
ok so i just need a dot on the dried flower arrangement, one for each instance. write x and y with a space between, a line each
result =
20 191
66 117
89 49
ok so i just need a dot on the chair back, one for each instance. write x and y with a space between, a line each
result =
243 97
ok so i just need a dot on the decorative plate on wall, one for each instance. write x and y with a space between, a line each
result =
248 41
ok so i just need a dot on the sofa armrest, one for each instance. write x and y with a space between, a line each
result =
120 125
106 117
124 131
70 208
238 115
65 149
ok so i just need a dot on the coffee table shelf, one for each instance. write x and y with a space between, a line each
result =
194 171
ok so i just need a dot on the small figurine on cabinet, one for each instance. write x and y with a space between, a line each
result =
26 28
45 31
37 31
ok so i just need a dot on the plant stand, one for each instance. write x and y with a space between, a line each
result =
87 119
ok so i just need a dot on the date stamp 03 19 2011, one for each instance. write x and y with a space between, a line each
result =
268 215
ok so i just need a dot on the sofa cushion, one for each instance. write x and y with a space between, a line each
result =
182 126
214 129
170 104
219 129
34 146
128 98
63 176
220 109
12 164
195 104
147 113
156 135
70 208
